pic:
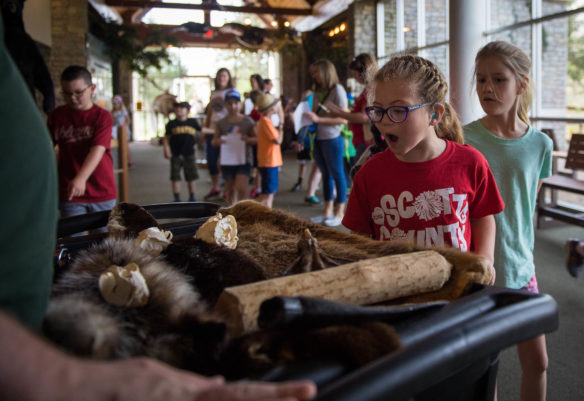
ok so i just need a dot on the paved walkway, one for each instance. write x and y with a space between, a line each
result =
149 183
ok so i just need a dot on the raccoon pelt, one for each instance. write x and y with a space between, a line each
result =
270 238
174 326
212 267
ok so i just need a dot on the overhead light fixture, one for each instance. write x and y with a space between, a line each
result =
274 23
247 21
338 29
287 23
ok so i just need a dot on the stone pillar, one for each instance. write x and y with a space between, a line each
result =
362 22
466 27
362 26
69 21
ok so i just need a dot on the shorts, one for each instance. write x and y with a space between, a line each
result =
531 286
269 179
229 172
187 163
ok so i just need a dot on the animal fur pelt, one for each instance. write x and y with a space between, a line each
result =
175 326
25 53
254 354
270 237
212 267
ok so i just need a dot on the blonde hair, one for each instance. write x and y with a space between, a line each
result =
430 87
327 72
365 65
517 61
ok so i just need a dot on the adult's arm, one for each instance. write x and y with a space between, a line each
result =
32 369
356 117
315 118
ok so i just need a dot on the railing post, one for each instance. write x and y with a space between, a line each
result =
123 189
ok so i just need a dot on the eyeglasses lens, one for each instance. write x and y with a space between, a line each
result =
397 114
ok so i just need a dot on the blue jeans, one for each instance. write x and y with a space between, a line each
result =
74 209
212 154
328 154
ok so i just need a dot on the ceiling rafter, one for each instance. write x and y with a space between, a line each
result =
210 7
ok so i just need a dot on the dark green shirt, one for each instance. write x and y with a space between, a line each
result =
28 175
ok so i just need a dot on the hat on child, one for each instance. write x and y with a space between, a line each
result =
118 99
232 94
265 101
186 105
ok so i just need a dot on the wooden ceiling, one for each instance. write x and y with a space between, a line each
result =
133 11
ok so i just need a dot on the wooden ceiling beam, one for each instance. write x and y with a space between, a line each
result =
210 7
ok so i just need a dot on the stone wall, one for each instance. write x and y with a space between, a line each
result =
554 66
69 24
362 28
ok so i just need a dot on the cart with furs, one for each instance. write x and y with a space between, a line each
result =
441 345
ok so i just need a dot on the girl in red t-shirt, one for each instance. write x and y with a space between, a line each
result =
427 187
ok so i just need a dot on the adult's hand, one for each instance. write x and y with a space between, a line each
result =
145 379
311 116
32 369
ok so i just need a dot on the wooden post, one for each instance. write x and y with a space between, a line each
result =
364 282
123 190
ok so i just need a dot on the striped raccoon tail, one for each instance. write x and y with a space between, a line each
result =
87 329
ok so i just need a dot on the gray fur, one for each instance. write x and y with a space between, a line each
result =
174 326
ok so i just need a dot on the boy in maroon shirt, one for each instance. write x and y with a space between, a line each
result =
81 131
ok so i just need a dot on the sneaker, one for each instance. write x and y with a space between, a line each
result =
296 187
192 199
313 200
254 193
332 221
574 260
318 219
212 194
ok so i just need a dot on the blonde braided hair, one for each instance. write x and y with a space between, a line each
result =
431 87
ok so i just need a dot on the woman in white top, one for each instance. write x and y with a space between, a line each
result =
215 111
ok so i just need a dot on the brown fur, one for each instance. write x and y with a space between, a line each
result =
128 219
176 326
270 237
352 345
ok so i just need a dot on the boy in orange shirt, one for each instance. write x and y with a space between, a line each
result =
269 153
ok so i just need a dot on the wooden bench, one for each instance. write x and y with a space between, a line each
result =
561 182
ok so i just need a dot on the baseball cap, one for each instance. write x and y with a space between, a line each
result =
182 104
232 94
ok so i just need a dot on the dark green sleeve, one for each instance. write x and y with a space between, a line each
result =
28 215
